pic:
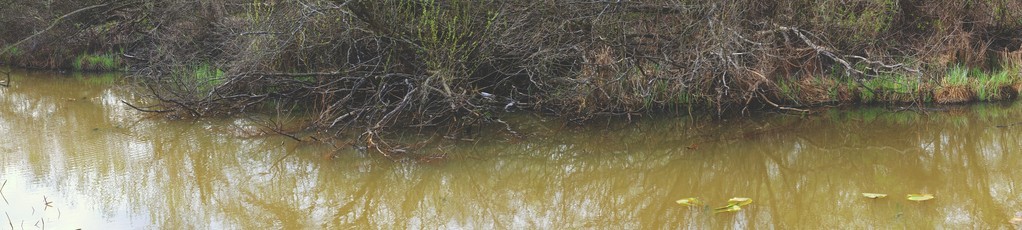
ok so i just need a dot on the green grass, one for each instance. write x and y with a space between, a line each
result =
988 87
199 78
903 88
788 89
984 90
867 90
207 76
659 88
956 76
96 62
892 88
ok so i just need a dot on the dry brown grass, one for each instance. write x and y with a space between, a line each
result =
954 94
846 94
813 90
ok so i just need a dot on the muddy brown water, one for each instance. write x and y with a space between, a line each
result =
72 156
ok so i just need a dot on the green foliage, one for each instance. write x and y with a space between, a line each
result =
863 21
891 88
207 76
198 79
97 62
956 76
257 10
446 36
893 84
788 89
989 87
984 90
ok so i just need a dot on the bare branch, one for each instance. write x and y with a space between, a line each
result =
145 110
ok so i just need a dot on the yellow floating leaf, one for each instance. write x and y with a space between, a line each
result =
728 208
691 201
874 195
739 201
920 197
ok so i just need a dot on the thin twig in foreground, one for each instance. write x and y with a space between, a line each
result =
9 220
2 192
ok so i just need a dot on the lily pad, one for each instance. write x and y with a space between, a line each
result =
728 208
691 201
739 201
874 195
734 205
920 197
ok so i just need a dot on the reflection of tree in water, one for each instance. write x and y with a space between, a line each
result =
801 172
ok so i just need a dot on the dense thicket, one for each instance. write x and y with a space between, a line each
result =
376 64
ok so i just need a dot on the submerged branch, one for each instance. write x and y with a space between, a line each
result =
280 131
145 110
775 105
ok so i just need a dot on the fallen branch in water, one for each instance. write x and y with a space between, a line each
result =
779 106
145 110
1009 125
279 130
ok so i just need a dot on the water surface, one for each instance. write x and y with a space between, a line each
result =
73 156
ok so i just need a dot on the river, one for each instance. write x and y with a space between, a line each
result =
73 156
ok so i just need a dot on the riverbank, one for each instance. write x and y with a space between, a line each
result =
370 66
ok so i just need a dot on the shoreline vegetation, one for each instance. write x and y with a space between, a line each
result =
368 66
